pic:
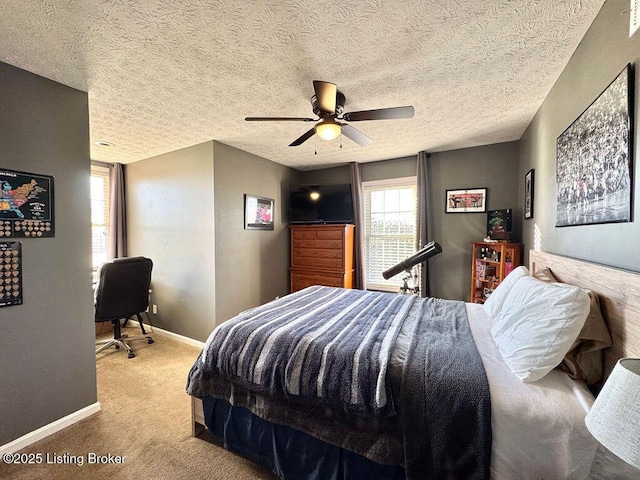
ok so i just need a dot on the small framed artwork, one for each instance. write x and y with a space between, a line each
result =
472 200
258 213
528 194
499 224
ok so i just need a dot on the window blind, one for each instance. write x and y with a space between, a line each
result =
99 215
390 215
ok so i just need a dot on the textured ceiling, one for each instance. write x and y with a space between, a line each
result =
163 75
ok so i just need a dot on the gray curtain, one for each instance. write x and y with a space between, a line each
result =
359 280
117 212
425 224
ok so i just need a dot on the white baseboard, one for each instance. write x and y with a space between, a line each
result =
50 429
179 338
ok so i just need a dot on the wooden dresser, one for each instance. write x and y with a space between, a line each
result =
321 255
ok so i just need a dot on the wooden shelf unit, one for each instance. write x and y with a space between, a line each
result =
490 263
321 255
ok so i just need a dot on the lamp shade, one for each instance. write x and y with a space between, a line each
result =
614 418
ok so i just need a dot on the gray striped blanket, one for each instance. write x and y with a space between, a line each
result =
319 344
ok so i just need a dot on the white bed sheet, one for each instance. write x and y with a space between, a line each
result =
538 428
547 441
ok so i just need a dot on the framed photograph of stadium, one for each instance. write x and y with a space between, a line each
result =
593 159
258 213
472 200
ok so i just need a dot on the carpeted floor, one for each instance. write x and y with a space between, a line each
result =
146 418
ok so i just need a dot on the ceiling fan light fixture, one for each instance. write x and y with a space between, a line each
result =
328 130
328 104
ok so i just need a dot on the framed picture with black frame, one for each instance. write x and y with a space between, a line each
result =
471 200
594 157
499 224
529 179
27 204
258 212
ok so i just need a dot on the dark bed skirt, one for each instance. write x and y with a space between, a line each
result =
289 453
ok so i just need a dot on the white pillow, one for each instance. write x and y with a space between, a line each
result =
538 324
494 303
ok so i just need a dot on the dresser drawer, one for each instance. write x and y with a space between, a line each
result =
329 234
301 234
317 252
303 280
319 233
320 262
307 243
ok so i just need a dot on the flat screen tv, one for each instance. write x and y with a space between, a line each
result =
320 203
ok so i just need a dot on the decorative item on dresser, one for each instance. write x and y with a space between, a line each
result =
499 224
491 262
321 255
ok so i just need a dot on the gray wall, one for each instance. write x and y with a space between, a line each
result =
170 219
382 170
252 266
186 212
494 167
396 168
47 360
600 57
327 176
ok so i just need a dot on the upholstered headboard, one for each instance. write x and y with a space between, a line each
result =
619 292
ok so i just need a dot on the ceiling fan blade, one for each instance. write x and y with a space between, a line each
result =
326 94
303 138
280 119
356 135
380 114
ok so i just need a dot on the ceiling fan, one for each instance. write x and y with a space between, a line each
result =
328 104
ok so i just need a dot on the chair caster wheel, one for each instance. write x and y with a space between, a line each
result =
150 341
131 354
117 346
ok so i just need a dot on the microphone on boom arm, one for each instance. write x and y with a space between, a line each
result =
431 249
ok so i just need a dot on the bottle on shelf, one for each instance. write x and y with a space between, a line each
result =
508 265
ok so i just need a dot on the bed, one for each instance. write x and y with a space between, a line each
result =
299 439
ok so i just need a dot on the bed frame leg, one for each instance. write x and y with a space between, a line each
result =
197 417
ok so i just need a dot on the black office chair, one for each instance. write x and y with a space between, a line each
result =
122 292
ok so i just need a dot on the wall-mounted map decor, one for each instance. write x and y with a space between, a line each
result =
10 274
26 205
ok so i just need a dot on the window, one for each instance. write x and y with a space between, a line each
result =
390 215
99 214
